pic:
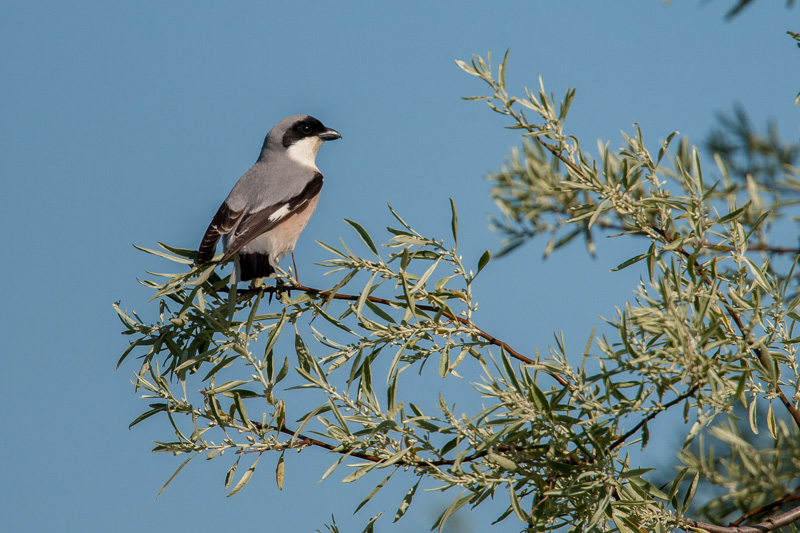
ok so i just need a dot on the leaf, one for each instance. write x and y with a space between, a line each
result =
245 478
403 222
173 476
590 341
364 235
237 400
690 493
501 71
391 393
283 371
454 221
538 397
456 504
444 363
422 280
364 295
600 511
222 364
371 523
664 146
231 472
676 483
226 386
516 505
758 275
380 312
753 416
407 294
404 505
333 467
373 493
272 338
396 457
156 408
466 68
165 256
734 214
279 472
183 252
332 250
359 473
504 462
512 376
631 261
303 357
483 261
771 424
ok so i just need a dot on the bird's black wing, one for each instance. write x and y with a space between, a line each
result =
258 222
222 223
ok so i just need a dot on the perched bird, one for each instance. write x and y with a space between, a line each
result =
269 206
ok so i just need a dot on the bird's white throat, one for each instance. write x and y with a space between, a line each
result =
305 151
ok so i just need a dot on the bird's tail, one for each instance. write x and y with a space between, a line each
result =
252 266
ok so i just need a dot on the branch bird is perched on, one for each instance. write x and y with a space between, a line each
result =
269 206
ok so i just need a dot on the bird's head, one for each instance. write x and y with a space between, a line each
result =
300 137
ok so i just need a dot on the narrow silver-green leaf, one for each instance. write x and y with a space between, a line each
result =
364 235
245 478
404 505
173 476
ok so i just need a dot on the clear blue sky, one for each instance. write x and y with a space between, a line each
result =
128 122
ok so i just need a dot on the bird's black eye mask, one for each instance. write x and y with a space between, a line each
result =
307 127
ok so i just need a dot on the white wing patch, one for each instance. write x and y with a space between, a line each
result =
281 212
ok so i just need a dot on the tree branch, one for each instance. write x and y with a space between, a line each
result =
394 303
770 524
304 440
766 508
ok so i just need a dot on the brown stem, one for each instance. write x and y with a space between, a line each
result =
770 524
766 508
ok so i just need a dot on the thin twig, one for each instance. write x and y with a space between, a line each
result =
654 414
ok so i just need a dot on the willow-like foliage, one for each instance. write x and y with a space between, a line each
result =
709 333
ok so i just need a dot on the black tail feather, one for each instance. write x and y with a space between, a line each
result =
253 266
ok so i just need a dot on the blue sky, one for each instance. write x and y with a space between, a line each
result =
129 122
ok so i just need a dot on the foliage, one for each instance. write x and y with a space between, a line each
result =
711 327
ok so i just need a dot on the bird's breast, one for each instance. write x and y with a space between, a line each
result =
281 240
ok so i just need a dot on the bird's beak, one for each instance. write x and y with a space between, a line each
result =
330 134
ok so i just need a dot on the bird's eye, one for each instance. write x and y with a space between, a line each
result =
306 129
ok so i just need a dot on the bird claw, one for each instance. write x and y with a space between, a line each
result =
280 288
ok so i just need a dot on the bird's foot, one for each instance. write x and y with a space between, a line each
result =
280 288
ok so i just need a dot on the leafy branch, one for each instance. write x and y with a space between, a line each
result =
370 368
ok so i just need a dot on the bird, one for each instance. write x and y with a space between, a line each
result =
270 205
